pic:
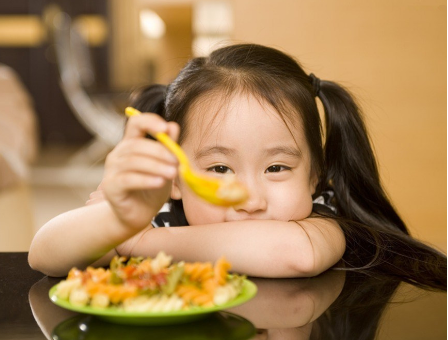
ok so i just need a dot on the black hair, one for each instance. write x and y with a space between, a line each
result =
377 239
150 99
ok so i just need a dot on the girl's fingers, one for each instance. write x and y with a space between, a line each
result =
143 148
136 181
96 197
146 148
143 165
173 130
138 162
139 126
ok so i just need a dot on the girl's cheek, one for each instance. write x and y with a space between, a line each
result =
289 203
203 213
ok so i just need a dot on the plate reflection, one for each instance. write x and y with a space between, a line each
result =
220 325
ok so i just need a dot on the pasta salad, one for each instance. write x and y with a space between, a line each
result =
152 285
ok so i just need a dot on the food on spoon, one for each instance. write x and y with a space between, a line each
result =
231 190
152 285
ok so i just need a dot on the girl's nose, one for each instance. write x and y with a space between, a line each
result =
257 200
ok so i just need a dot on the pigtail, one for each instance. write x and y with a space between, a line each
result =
350 162
150 99
377 238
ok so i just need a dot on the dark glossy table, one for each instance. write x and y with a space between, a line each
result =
334 305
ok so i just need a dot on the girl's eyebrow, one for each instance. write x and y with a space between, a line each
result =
287 150
214 150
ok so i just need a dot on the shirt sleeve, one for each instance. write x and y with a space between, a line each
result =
325 203
164 218
167 217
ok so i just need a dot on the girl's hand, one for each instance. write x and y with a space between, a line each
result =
139 171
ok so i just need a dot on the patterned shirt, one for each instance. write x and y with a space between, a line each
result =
323 204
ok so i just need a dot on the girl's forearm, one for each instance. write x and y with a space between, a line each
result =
257 248
77 238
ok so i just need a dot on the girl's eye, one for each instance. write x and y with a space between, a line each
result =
277 168
220 169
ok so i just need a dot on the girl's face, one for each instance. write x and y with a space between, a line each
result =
248 138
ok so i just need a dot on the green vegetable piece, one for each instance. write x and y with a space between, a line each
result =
237 281
135 260
117 262
115 277
173 278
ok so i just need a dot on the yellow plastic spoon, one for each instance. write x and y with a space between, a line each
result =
223 192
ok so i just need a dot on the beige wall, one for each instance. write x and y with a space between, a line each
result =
392 55
136 60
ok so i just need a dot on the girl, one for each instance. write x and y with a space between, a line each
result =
248 110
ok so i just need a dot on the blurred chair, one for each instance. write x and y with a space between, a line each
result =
96 112
18 149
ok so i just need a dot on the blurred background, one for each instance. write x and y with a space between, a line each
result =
67 68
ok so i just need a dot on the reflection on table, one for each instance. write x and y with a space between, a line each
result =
334 305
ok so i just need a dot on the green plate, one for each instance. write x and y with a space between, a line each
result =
116 315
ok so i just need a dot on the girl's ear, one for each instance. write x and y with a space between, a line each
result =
175 190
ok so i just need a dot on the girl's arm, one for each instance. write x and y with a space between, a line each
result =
137 182
78 238
261 248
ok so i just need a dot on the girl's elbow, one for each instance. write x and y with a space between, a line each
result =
312 264
33 259
298 263
305 266
36 263
321 262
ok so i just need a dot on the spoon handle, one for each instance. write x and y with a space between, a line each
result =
165 140
173 147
